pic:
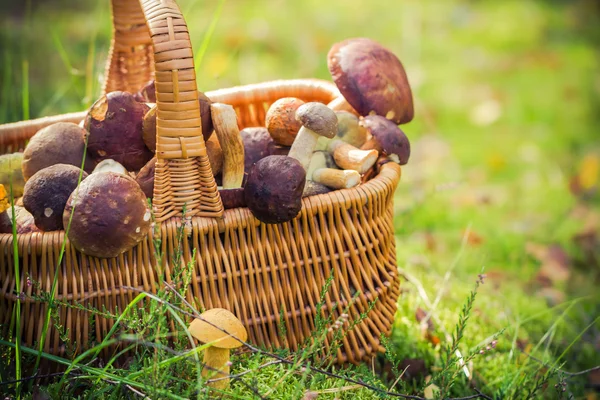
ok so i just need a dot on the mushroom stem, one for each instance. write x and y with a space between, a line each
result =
341 104
216 366
319 159
303 146
336 178
228 133
347 156
371 144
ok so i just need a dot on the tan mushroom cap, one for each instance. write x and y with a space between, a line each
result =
224 319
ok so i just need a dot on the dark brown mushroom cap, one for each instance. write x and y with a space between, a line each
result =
318 118
207 124
59 143
390 137
24 220
110 215
257 145
371 78
47 192
145 178
273 191
115 125
147 94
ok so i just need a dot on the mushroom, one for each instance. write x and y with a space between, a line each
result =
110 215
47 192
205 115
115 125
145 178
372 79
147 94
347 156
109 165
257 144
386 138
320 159
12 173
313 188
273 191
228 134
317 120
336 178
281 122
149 129
221 329
232 198
59 143
349 129
23 219
215 155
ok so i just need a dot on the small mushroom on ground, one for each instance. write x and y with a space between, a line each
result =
59 143
47 192
110 215
224 332
281 120
337 178
12 173
115 125
387 138
273 191
372 79
228 133
109 165
317 120
145 178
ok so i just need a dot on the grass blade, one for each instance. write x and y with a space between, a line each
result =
207 36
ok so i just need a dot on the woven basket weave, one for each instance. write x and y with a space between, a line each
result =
260 272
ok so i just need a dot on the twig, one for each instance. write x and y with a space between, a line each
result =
134 390
586 371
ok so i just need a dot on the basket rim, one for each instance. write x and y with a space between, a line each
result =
386 179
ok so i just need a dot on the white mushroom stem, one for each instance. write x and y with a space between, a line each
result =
227 131
320 159
347 156
303 146
110 165
216 365
336 178
340 104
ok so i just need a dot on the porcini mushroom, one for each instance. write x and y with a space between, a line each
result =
115 125
147 94
109 165
23 220
336 178
215 155
227 131
46 194
145 178
110 215
258 144
317 120
320 159
224 332
273 191
349 130
11 172
387 138
59 143
313 188
372 79
281 121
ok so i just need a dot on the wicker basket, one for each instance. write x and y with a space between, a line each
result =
259 272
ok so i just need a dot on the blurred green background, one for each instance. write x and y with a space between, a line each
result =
505 141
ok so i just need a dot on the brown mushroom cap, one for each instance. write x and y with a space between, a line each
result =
145 178
47 192
257 144
205 116
110 216
24 220
147 94
389 136
228 324
281 120
318 118
274 189
59 143
115 125
371 78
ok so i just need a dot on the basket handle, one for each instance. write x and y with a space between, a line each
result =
154 37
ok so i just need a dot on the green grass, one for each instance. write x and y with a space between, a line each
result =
506 97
